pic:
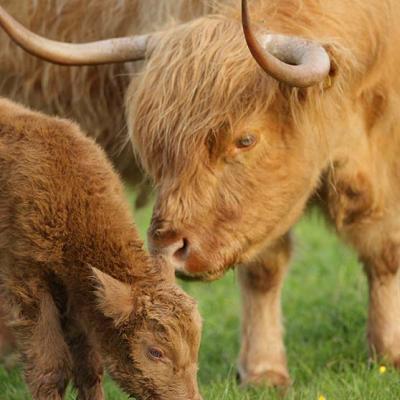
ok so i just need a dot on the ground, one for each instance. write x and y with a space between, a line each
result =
325 306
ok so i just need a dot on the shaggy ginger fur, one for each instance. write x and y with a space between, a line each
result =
220 204
93 96
81 291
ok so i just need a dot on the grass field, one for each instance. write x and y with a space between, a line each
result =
324 305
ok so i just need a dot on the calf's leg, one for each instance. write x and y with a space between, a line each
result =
262 357
7 340
87 364
44 351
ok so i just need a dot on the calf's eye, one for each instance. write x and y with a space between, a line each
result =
246 141
155 353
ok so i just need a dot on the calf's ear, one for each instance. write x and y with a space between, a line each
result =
114 298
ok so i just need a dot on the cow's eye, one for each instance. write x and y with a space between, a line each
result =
246 141
155 354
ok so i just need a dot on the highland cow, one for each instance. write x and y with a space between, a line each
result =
241 129
80 289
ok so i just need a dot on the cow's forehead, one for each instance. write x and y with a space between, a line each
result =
197 81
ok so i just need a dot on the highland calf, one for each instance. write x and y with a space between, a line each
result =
80 290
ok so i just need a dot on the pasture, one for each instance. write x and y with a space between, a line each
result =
324 305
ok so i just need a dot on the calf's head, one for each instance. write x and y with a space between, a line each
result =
150 339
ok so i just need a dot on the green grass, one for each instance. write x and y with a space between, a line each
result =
325 305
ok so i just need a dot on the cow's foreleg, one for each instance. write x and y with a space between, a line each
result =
262 356
367 217
384 304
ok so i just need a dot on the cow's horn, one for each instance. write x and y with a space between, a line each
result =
101 52
295 61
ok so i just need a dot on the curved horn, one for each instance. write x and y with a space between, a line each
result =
289 59
109 51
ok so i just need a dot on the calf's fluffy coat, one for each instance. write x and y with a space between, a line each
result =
80 290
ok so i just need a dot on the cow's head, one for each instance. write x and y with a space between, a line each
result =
234 149
232 153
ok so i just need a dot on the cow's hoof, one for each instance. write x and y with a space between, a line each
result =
393 361
267 378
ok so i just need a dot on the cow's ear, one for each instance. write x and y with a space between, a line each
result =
114 298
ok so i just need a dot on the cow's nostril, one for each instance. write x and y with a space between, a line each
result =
182 253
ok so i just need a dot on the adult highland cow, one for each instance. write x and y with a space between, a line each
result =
236 151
